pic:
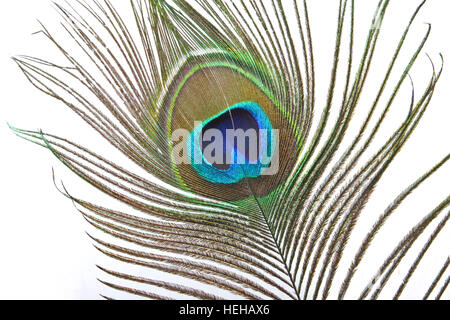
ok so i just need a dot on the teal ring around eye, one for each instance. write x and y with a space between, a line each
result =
240 168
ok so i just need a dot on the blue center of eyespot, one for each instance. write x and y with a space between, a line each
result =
235 144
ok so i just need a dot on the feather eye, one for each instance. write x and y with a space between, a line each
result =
269 218
223 96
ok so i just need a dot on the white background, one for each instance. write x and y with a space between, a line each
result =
44 252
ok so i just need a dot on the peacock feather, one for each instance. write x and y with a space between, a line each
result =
207 218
